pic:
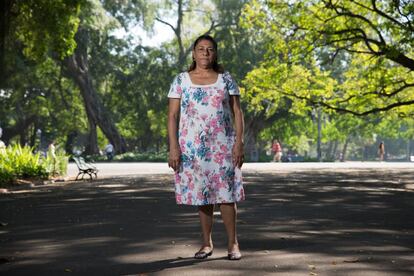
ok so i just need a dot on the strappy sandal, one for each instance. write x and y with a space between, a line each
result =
203 254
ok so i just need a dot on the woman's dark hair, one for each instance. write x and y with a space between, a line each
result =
216 67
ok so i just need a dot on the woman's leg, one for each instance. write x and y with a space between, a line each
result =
229 215
206 219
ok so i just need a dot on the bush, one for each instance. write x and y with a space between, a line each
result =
18 162
56 165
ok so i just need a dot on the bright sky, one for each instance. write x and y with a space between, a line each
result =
161 34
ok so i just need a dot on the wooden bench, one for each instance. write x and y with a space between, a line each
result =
85 168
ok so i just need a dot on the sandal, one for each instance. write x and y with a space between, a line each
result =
234 256
203 254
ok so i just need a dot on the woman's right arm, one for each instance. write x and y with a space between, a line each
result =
173 115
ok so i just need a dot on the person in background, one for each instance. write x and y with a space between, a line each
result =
381 151
52 149
109 151
277 151
51 152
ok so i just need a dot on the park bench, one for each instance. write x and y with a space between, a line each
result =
85 168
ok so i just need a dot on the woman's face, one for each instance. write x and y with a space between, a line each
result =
204 53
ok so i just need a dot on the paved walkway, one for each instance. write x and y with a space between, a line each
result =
298 219
142 168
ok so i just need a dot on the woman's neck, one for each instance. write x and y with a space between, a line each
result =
202 71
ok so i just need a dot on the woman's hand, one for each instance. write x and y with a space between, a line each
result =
174 158
238 154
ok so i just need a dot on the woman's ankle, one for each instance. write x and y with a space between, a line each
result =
233 247
208 244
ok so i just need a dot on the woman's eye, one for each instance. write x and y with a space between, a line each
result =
206 49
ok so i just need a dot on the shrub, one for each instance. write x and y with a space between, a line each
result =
56 164
20 162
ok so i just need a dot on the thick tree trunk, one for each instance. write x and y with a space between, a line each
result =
252 128
70 139
92 146
23 137
6 17
76 67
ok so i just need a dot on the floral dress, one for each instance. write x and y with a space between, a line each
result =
206 137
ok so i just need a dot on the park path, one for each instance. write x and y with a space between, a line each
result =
304 219
146 168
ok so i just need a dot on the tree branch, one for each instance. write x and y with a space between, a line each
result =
383 14
166 23
370 111
341 109
347 13
363 37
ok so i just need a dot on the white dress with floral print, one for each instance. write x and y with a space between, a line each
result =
206 136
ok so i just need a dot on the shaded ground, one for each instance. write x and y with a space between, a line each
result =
342 222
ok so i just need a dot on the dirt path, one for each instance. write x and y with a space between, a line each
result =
308 222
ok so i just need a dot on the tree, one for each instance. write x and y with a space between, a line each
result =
376 36
40 25
33 94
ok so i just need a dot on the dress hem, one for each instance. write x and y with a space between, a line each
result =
222 202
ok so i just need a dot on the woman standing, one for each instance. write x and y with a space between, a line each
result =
205 130
381 151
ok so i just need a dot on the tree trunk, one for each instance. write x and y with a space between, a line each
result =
334 151
343 156
76 67
33 135
5 20
252 128
70 139
328 154
23 137
92 145
20 127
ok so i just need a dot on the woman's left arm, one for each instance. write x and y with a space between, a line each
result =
238 148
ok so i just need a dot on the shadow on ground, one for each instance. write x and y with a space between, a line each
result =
297 223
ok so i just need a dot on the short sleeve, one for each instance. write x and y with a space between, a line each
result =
231 85
176 87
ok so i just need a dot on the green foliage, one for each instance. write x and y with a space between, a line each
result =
45 26
371 38
40 98
286 56
56 164
337 56
19 162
